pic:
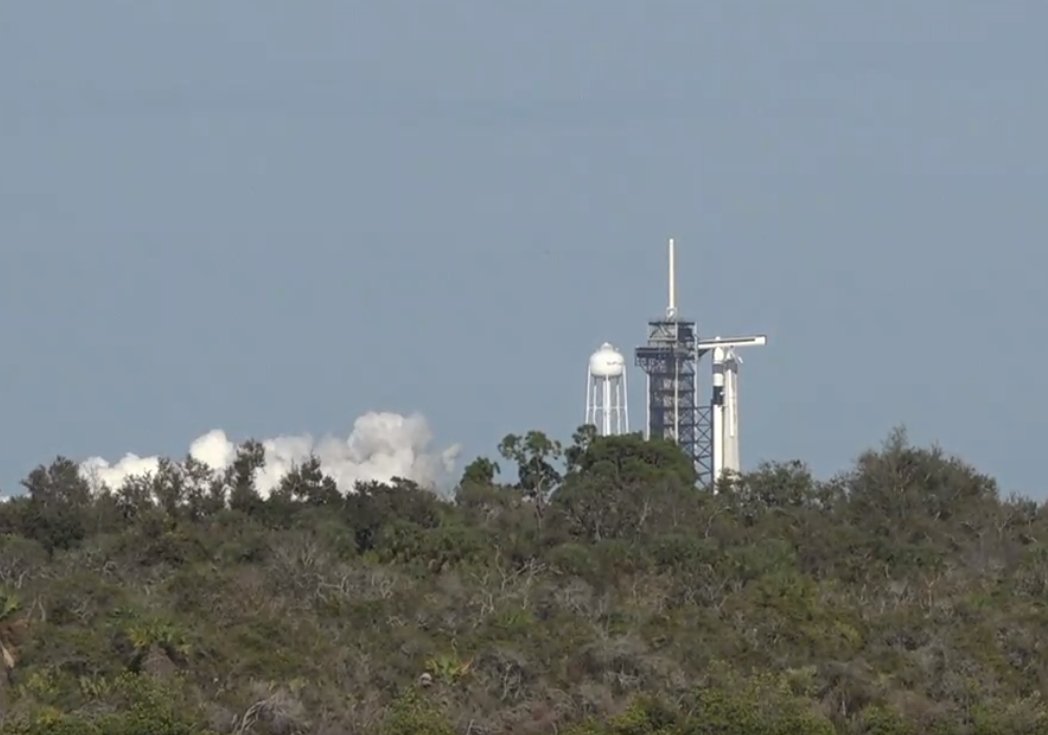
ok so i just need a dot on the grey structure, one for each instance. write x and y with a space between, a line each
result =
670 360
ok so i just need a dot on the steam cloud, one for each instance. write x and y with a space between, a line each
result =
380 447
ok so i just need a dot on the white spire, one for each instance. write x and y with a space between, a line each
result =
671 309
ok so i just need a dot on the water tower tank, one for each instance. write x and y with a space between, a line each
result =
607 362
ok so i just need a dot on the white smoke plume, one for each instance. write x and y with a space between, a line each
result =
380 447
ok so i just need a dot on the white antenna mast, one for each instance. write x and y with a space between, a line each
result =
671 310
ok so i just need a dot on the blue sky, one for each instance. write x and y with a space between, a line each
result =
271 217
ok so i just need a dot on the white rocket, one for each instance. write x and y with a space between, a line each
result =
724 402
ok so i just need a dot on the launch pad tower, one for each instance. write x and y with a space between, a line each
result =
708 433
670 361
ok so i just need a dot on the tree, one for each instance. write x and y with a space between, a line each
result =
580 444
59 485
240 477
480 471
902 489
535 455
622 487
59 498
9 606
169 487
204 493
375 505
307 482
630 459
901 596
134 498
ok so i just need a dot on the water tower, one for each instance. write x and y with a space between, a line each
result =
606 392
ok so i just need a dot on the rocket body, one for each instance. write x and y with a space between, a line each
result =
717 403
730 433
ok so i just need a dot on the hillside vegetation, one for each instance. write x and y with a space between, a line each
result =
599 594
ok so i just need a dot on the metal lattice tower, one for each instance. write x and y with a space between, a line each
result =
670 360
